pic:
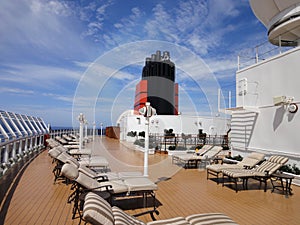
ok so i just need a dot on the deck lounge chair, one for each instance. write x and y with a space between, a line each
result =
205 158
248 162
54 143
138 186
70 139
261 173
103 176
60 158
89 161
176 156
97 211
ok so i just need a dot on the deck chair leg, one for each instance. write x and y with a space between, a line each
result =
218 177
235 181
265 181
151 212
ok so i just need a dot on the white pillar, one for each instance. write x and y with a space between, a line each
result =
81 121
101 128
94 128
86 134
146 149
147 111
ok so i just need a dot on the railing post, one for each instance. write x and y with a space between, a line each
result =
6 154
279 40
256 54
14 150
26 146
20 148
35 143
30 145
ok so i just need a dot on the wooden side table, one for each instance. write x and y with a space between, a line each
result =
281 181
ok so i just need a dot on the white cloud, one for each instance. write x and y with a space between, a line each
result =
18 91
38 76
40 30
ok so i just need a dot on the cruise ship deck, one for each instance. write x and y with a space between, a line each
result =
35 199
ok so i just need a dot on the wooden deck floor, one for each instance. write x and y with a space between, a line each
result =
181 192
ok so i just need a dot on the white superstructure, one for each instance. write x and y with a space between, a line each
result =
128 122
266 117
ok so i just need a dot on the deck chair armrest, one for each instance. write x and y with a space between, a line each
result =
101 178
267 172
107 187
247 167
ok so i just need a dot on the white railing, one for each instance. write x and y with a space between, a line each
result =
15 150
263 51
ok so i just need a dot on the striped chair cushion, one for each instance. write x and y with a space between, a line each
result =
209 218
173 221
122 218
267 169
278 159
265 166
237 172
97 211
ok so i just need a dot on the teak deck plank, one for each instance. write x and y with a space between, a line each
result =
181 192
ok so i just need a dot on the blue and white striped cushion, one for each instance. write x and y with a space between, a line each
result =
122 218
209 218
97 211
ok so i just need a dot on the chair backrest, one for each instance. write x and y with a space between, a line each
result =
61 148
73 161
63 157
87 171
205 149
213 152
97 211
54 153
278 159
88 182
70 171
252 159
271 165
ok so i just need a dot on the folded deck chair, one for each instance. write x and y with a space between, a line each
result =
75 152
97 211
141 186
67 144
52 143
203 150
61 157
86 159
70 139
195 159
92 162
262 172
103 176
248 162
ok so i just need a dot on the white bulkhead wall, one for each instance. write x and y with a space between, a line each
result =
275 129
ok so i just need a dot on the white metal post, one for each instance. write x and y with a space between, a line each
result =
146 150
86 133
94 128
81 122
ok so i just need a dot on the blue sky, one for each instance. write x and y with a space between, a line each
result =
59 58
